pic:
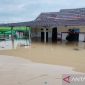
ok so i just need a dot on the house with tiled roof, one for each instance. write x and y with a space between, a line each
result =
53 26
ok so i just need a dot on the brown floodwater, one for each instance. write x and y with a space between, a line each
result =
61 53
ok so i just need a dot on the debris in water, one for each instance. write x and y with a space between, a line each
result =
77 49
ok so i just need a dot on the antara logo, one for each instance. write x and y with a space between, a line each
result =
71 79
67 79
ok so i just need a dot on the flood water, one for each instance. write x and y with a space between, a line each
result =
19 71
61 53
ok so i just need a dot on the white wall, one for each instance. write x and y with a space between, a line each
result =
81 37
49 34
38 34
34 34
64 35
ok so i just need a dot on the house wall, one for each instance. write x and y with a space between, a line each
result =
65 29
36 32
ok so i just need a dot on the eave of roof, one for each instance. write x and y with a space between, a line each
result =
48 22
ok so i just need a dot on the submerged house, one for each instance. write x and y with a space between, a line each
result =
67 24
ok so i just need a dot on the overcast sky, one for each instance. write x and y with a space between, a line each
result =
27 10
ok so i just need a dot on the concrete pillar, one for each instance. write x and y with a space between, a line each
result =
84 37
44 35
29 37
12 37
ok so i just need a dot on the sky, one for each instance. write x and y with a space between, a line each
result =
27 10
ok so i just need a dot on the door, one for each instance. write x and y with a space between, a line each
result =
46 36
54 34
76 34
42 36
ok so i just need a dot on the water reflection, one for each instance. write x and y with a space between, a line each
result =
13 44
65 44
